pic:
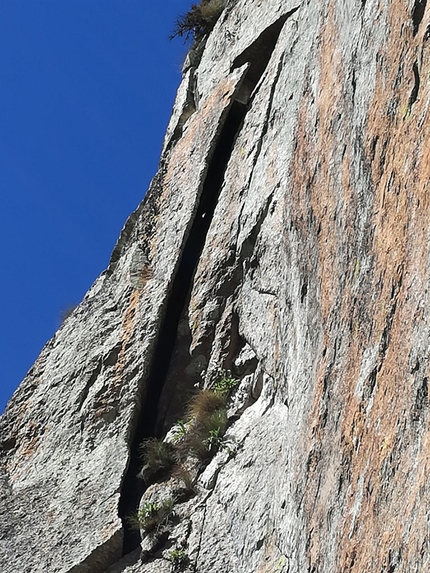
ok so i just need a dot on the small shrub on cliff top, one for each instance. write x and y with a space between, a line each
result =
199 20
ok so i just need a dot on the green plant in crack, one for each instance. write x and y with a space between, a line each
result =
180 431
226 384
213 441
179 559
215 425
153 515
145 518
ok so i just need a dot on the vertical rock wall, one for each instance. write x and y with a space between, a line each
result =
285 239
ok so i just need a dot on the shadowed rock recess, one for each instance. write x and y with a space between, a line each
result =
283 246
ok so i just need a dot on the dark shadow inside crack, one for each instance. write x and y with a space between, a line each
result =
133 487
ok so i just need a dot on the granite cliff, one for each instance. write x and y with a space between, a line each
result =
283 250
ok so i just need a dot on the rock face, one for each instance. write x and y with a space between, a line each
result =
284 243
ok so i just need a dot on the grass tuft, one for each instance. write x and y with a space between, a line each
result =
158 457
184 475
205 439
179 559
152 515
205 403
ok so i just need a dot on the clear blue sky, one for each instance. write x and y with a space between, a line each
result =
86 91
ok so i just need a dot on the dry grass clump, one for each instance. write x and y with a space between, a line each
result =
184 475
205 403
208 417
201 435
208 438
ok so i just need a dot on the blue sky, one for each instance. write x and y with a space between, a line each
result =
86 91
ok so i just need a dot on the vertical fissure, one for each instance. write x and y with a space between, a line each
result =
418 11
133 487
414 92
258 56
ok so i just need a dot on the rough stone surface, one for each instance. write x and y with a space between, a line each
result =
309 284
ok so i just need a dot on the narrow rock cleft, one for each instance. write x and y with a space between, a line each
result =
260 51
257 56
414 92
133 487
418 14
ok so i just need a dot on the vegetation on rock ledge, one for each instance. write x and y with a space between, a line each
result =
179 559
152 515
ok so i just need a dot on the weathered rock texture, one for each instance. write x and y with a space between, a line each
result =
286 239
